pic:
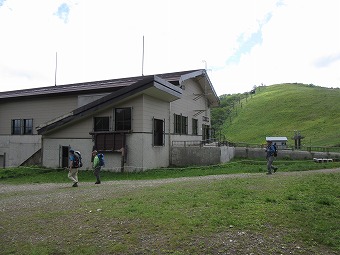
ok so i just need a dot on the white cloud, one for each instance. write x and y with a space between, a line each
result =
300 34
282 41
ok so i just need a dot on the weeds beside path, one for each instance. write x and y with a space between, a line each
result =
163 216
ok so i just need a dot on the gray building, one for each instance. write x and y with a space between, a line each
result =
133 121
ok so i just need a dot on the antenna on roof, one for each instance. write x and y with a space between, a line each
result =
143 58
205 64
55 71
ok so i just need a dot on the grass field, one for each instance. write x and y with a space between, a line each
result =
278 110
140 213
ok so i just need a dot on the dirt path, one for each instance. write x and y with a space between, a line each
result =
8 188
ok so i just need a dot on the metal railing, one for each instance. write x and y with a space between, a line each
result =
321 149
201 143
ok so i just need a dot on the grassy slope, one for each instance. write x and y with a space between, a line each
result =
278 110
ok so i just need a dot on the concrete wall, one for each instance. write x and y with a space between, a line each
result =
18 148
283 154
193 156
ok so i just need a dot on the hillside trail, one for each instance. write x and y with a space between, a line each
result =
130 184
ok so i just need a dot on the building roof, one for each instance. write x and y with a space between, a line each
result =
93 87
150 85
276 138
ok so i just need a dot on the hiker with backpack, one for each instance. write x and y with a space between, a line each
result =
75 163
98 162
271 151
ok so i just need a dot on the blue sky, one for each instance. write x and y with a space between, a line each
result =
63 12
241 42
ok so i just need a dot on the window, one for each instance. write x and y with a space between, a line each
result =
22 127
158 132
101 124
194 126
205 132
16 127
28 127
180 124
105 139
122 119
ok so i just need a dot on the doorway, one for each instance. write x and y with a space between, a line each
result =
64 156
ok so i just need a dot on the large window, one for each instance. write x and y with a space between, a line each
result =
180 124
22 127
122 119
158 132
101 124
194 126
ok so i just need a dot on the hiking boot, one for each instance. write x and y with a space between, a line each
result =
97 182
269 173
275 169
75 184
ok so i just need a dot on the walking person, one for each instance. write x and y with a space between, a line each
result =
73 168
270 150
96 166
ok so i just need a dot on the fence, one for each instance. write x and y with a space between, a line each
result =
217 143
199 143
302 148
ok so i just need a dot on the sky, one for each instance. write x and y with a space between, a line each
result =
241 43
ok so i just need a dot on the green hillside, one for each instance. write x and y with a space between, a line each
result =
279 110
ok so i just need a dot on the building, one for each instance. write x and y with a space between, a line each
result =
133 121
280 141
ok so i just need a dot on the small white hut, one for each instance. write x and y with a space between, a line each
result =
279 141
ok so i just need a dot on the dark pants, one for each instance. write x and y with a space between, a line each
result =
97 173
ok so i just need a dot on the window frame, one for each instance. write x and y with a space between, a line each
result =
180 124
194 126
16 126
22 127
126 121
27 126
103 126
158 137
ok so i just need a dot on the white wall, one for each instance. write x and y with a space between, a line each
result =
18 148
186 106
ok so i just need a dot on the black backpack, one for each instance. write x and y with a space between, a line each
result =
275 150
